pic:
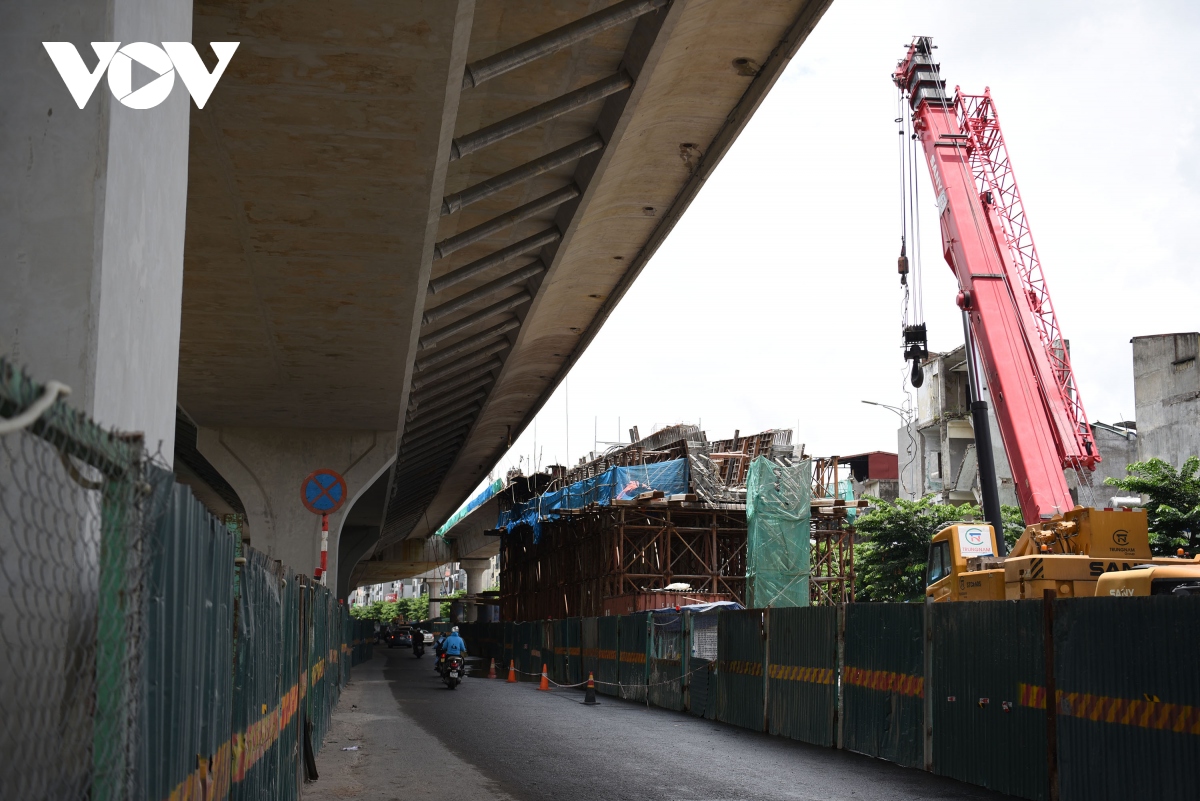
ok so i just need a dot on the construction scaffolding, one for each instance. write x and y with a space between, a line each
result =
617 559
579 543
832 566
587 545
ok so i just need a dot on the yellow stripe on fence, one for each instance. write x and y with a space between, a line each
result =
1143 713
797 673
215 774
885 681
740 667
563 651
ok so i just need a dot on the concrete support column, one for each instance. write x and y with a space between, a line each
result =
475 569
267 468
92 212
435 592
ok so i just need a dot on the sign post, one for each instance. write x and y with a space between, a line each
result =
323 493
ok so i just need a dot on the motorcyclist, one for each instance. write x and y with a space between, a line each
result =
418 641
453 645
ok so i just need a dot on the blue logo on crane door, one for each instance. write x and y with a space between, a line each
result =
323 492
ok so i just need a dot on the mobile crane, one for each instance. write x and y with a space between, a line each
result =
1015 348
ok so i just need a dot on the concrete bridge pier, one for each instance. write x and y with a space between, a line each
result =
267 468
435 592
92 209
475 569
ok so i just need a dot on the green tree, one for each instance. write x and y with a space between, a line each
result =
1173 507
1014 524
414 609
889 564
380 611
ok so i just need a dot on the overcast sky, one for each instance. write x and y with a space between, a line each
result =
775 301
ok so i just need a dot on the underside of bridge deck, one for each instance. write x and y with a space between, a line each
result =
408 220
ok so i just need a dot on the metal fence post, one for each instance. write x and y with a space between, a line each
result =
649 650
1051 694
927 685
685 661
766 668
839 667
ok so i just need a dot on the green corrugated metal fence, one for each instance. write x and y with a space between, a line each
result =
541 650
959 686
667 647
632 656
188 684
567 655
741 651
983 652
228 691
802 673
883 682
509 648
608 673
1127 672
523 646
702 661
589 647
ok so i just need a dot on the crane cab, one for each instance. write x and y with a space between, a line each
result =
963 565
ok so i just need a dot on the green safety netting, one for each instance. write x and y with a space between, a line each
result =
778 499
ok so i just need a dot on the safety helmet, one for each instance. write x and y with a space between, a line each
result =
454 630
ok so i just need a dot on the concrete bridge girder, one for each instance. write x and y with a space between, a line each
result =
700 70
413 218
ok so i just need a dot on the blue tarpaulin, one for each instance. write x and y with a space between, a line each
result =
471 506
615 483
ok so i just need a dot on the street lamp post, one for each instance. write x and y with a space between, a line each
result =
905 416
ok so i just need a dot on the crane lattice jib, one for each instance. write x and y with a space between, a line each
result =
993 172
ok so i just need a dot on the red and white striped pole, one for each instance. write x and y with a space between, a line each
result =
324 546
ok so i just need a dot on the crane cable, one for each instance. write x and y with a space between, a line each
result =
909 223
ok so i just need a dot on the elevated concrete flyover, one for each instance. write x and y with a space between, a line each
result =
406 221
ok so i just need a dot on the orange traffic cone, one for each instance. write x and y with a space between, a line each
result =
492 670
545 685
589 697
512 672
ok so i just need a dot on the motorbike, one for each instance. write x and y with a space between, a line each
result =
418 644
454 669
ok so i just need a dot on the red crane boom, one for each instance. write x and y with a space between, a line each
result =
988 244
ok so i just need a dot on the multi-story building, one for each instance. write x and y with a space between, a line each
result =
1166 391
937 453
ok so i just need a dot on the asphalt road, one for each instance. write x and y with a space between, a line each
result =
492 740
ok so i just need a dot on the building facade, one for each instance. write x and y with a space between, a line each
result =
1166 391
937 454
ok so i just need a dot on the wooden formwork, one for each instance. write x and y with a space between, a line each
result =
604 552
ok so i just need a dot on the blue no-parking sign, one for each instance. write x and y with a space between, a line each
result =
323 492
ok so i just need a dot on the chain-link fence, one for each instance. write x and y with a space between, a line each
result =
71 562
146 652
